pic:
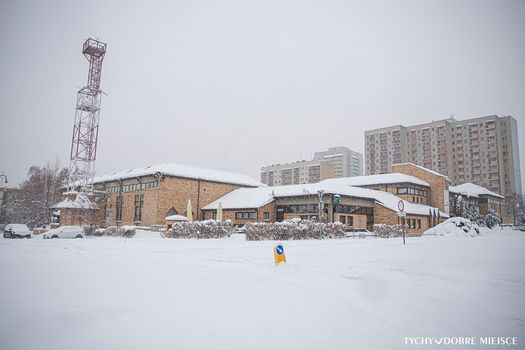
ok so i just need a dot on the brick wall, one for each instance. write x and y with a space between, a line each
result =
173 192
383 215
438 184
77 217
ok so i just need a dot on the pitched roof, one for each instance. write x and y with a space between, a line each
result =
181 170
473 190
81 201
379 179
252 198
423 168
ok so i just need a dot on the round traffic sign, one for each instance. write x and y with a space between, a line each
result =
279 249
401 205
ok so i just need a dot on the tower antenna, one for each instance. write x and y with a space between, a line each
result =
85 128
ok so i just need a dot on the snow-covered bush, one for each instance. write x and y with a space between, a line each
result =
491 219
200 229
389 231
114 231
294 230
457 226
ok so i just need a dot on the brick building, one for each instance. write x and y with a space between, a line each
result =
358 202
478 196
145 196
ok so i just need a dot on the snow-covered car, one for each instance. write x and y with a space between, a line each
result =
358 233
16 231
65 232
240 229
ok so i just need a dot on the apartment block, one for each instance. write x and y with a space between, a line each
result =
483 151
347 163
302 172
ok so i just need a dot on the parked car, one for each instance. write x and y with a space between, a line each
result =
65 232
358 233
240 229
16 231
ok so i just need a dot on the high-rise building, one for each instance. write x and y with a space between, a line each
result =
302 172
347 163
481 150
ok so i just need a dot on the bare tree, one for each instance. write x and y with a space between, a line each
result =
42 188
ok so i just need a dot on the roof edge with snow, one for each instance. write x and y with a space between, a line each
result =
181 171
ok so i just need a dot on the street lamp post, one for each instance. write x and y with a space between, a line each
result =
460 200
320 195
515 210
3 176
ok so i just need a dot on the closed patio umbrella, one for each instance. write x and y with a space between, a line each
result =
189 213
219 212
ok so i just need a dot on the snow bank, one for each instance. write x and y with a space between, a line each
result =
150 293
456 226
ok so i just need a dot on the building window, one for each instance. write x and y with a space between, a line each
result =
120 202
266 216
139 202
244 215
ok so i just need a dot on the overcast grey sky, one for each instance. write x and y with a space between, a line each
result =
236 85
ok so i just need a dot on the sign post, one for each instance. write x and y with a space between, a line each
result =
401 213
278 254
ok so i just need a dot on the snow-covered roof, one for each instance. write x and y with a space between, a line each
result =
390 201
244 198
81 201
176 218
472 190
423 168
379 179
181 170
251 198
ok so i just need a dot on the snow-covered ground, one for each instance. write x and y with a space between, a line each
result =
152 293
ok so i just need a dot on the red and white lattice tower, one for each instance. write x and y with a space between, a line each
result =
85 129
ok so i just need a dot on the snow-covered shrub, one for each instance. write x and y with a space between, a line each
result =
114 231
200 229
99 232
454 226
89 230
491 219
294 230
389 231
